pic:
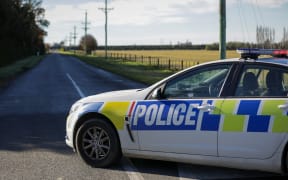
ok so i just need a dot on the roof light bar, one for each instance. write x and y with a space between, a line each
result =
254 53
280 53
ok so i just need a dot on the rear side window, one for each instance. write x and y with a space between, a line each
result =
263 81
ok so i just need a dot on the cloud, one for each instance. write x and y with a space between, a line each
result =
150 11
267 3
140 12
129 14
136 12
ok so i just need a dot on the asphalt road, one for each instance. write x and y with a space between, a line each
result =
32 128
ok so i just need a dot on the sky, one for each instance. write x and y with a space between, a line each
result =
162 22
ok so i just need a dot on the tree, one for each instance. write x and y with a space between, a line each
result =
21 32
88 43
284 41
265 36
214 46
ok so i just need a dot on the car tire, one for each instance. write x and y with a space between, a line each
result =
286 161
97 143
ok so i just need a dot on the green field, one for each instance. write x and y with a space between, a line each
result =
147 73
190 55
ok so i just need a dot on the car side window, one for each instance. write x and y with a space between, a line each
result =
263 82
205 82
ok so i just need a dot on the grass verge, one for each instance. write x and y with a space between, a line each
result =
11 71
132 70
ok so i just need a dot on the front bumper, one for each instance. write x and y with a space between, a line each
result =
70 121
68 141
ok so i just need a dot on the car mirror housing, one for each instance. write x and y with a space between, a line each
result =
156 94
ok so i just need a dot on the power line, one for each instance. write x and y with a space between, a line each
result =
241 20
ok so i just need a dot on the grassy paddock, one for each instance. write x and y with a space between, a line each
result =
146 73
132 70
190 55
12 70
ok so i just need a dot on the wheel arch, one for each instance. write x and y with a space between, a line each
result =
94 115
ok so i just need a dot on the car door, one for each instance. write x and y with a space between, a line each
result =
184 119
254 120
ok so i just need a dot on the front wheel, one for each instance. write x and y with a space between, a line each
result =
286 161
97 143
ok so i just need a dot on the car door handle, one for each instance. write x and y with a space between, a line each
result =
284 107
206 107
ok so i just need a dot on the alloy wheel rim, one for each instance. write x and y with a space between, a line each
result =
96 143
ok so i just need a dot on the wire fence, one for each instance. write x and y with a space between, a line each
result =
159 62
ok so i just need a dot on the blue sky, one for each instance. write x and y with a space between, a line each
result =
137 22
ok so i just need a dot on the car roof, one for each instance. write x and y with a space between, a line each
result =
282 61
273 60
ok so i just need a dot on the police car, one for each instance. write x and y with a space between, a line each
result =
229 113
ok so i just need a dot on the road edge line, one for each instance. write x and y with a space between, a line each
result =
81 94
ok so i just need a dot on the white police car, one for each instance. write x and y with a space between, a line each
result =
230 113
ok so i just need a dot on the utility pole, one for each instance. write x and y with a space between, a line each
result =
65 43
106 9
70 39
74 37
222 43
85 32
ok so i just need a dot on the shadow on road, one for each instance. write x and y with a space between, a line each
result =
190 171
33 131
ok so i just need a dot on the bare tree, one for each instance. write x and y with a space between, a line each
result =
265 36
284 41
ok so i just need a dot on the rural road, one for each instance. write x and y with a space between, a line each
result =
32 128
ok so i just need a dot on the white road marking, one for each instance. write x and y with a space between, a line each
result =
131 170
81 94
127 165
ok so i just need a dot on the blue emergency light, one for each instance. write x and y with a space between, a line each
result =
254 53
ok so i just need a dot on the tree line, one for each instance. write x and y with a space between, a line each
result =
22 29
265 38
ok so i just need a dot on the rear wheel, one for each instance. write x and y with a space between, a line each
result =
97 143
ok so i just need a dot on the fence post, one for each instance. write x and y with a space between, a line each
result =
135 58
142 59
169 64
182 65
158 63
149 60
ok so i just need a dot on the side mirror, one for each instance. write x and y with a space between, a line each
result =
156 94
